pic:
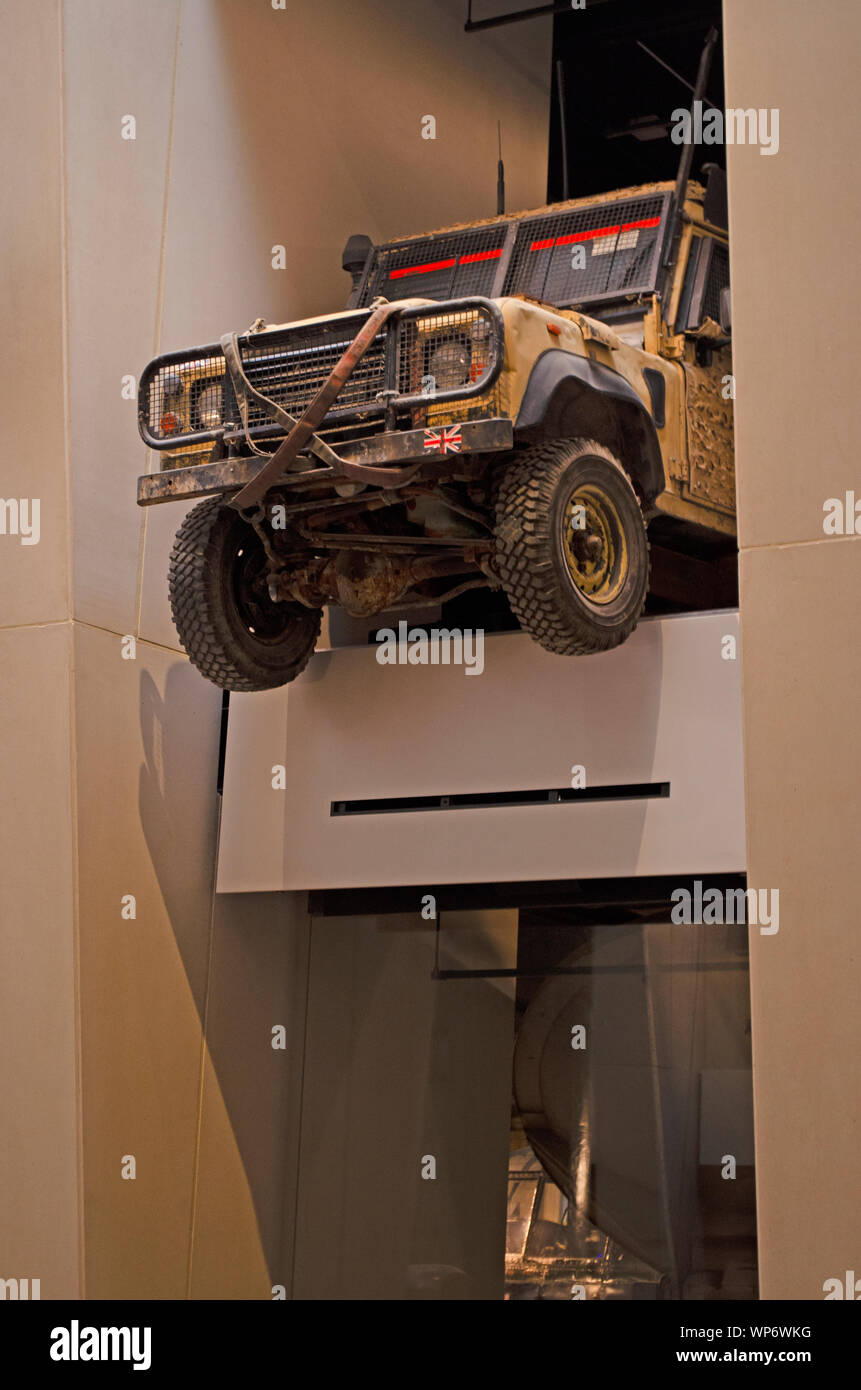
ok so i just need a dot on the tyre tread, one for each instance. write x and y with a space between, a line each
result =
191 559
524 550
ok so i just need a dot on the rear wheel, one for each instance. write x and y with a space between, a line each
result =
571 547
233 632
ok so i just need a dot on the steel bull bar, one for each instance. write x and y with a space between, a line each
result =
256 475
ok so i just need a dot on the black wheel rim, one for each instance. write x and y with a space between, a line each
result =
264 620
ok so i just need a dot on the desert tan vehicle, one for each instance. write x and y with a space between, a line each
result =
509 403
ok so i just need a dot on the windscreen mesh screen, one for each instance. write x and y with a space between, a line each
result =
570 256
718 279
443 267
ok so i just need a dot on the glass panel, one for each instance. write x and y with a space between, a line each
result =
593 1062
632 1112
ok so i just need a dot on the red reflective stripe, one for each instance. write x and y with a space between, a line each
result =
586 236
481 256
544 245
573 236
444 265
596 232
421 269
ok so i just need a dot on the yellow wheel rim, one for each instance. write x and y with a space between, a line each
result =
594 545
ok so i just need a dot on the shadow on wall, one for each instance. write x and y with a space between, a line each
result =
170 802
245 959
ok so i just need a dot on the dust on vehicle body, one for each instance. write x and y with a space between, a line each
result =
510 404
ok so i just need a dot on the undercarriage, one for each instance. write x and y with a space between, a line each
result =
404 547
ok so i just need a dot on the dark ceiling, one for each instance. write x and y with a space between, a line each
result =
610 84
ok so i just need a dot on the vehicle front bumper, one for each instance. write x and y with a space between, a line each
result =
397 448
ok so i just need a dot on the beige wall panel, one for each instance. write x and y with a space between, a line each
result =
316 133
39 1170
228 1260
798 433
399 1067
298 127
796 290
32 448
147 742
802 672
118 62
250 1118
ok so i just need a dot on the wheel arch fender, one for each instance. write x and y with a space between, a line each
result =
572 397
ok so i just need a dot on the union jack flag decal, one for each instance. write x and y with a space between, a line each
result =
444 441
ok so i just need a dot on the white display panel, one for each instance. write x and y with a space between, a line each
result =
663 708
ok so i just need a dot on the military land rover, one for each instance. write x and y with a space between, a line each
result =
511 403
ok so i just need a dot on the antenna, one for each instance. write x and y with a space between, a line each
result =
563 126
500 175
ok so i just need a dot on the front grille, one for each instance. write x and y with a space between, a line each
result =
188 398
288 367
291 367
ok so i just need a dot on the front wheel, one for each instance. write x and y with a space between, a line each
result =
571 547
234 633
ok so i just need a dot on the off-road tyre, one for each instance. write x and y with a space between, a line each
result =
559 597
234 634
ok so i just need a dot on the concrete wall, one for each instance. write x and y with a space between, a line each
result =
39 1078
254 127
797 306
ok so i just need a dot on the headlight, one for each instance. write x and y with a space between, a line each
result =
449 365
171 386
210 408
